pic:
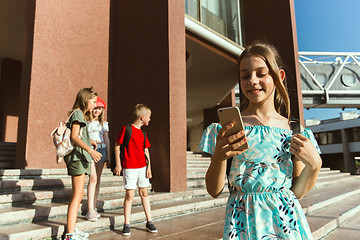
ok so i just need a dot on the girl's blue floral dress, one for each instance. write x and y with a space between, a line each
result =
261 204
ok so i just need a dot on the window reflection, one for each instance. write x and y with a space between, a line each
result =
223 16
332 137
354 134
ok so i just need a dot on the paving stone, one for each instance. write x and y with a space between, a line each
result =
33 204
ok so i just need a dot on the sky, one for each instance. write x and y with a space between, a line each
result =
327 26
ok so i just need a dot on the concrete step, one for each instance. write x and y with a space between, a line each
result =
196 175
8 174
199 159
14 195
20 198
7 146
321 197
197 162
7 164
7 155
196 183
9 186
337 178
45 196
203 225
329 176
351 229
38 200
197 170
109 220
39 211
324 171
328 219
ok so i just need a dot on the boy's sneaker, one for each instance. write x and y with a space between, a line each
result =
91 215
74 236
151 228
126 230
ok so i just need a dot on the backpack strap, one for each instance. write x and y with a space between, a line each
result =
126 140
144 132
147 160
67 120
228 166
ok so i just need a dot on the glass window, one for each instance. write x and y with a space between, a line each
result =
317 137
321 78
348 80
192 9
322 138
354 134
334 137
223 16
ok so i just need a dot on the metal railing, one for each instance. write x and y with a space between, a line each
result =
339 73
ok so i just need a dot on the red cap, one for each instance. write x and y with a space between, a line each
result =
100 102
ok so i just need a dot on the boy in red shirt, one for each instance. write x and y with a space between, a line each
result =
135 169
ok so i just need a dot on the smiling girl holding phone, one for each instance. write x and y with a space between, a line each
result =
265 182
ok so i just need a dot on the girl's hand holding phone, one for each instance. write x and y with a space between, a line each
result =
230 146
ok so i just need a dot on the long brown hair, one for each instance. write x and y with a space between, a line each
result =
82 99
273 61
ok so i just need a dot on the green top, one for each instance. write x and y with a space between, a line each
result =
79 153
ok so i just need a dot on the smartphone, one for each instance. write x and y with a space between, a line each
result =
228 115
296 126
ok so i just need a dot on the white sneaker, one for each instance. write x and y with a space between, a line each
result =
82 234
74 236
97 214
91 215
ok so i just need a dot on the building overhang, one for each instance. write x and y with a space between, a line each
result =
211 68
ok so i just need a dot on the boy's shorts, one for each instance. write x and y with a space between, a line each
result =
134 177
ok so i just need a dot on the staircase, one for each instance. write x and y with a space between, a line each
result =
7 155
33 205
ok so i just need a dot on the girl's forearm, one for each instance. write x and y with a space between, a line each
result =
305 181
215 177
78 142
107 146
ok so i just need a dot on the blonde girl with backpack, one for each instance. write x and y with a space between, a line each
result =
78 162
99 134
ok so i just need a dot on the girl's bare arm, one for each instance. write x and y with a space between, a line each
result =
307 164
75 131
107 146
224 149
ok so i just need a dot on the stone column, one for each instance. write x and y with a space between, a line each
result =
348 158
67 44
147 58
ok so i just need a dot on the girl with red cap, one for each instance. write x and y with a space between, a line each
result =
98 130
